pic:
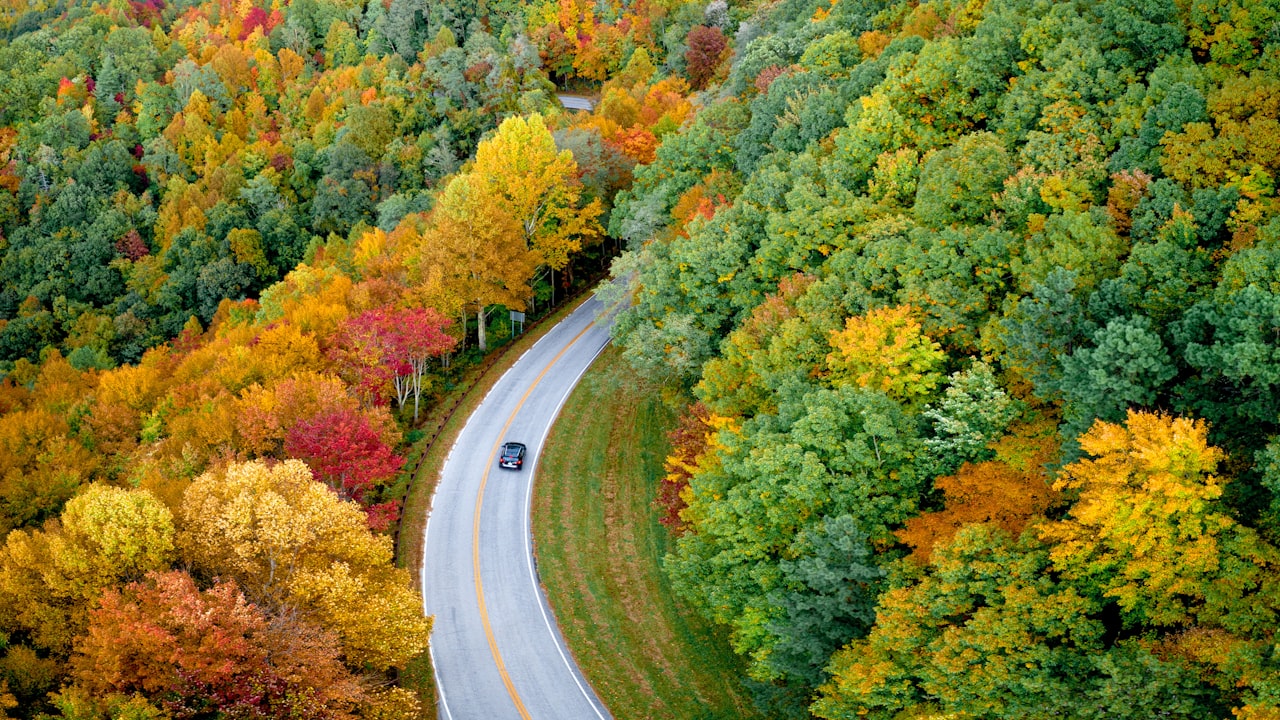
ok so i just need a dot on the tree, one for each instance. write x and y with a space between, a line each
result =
959 183
775 342
50 578
706 50
991 492
388 345
1042 328
973 411
1230 340
539 187
344 451
886 350
1148 530
1125 368
198 652
827 597
474 253
290 542
990 631
41 466
764 498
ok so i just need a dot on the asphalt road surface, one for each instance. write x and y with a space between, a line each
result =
575 102
496 648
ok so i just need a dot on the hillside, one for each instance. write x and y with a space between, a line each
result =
244 248
977 303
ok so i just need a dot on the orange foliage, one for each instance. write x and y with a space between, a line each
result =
637 143
693 443
872 43
9 179
989 492
1127 188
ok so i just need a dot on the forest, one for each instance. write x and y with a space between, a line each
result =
978 304
244 247
972 308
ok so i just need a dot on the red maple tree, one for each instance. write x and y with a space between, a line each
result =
344 450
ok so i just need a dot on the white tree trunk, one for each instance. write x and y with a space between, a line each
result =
480 336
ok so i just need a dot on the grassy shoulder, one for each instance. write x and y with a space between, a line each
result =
599 546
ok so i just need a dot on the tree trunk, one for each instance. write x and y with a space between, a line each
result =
480 337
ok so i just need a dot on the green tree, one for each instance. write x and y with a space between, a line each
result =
1126 366
973 412
1230 340
958 184
825 454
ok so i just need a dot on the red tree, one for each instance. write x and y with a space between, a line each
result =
344 450
384 347
382 516
706 50
131 245
254 19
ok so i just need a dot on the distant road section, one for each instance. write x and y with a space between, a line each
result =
576 102
497 651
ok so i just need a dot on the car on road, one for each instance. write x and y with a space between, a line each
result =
512 456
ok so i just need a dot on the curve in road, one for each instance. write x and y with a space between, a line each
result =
495 646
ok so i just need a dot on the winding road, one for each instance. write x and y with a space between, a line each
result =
496 648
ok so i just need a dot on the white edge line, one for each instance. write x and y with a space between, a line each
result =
574 672
431 647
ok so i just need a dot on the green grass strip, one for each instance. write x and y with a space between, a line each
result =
599 547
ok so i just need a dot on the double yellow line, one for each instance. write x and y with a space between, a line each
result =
475 533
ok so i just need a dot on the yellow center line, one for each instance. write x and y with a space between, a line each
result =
475 533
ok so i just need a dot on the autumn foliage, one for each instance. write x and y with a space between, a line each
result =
707 46
233 234
344 451
990 492
201 651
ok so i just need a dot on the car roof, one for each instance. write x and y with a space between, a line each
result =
513 446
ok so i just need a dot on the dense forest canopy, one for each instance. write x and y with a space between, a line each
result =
979 305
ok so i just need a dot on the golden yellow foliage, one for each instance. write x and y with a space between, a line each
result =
885 349
289 541
49 579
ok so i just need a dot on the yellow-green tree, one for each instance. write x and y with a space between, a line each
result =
539 187
886 350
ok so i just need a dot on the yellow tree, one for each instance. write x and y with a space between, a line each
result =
885 349
1149 530
474 252
539 187
49 579
290 542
